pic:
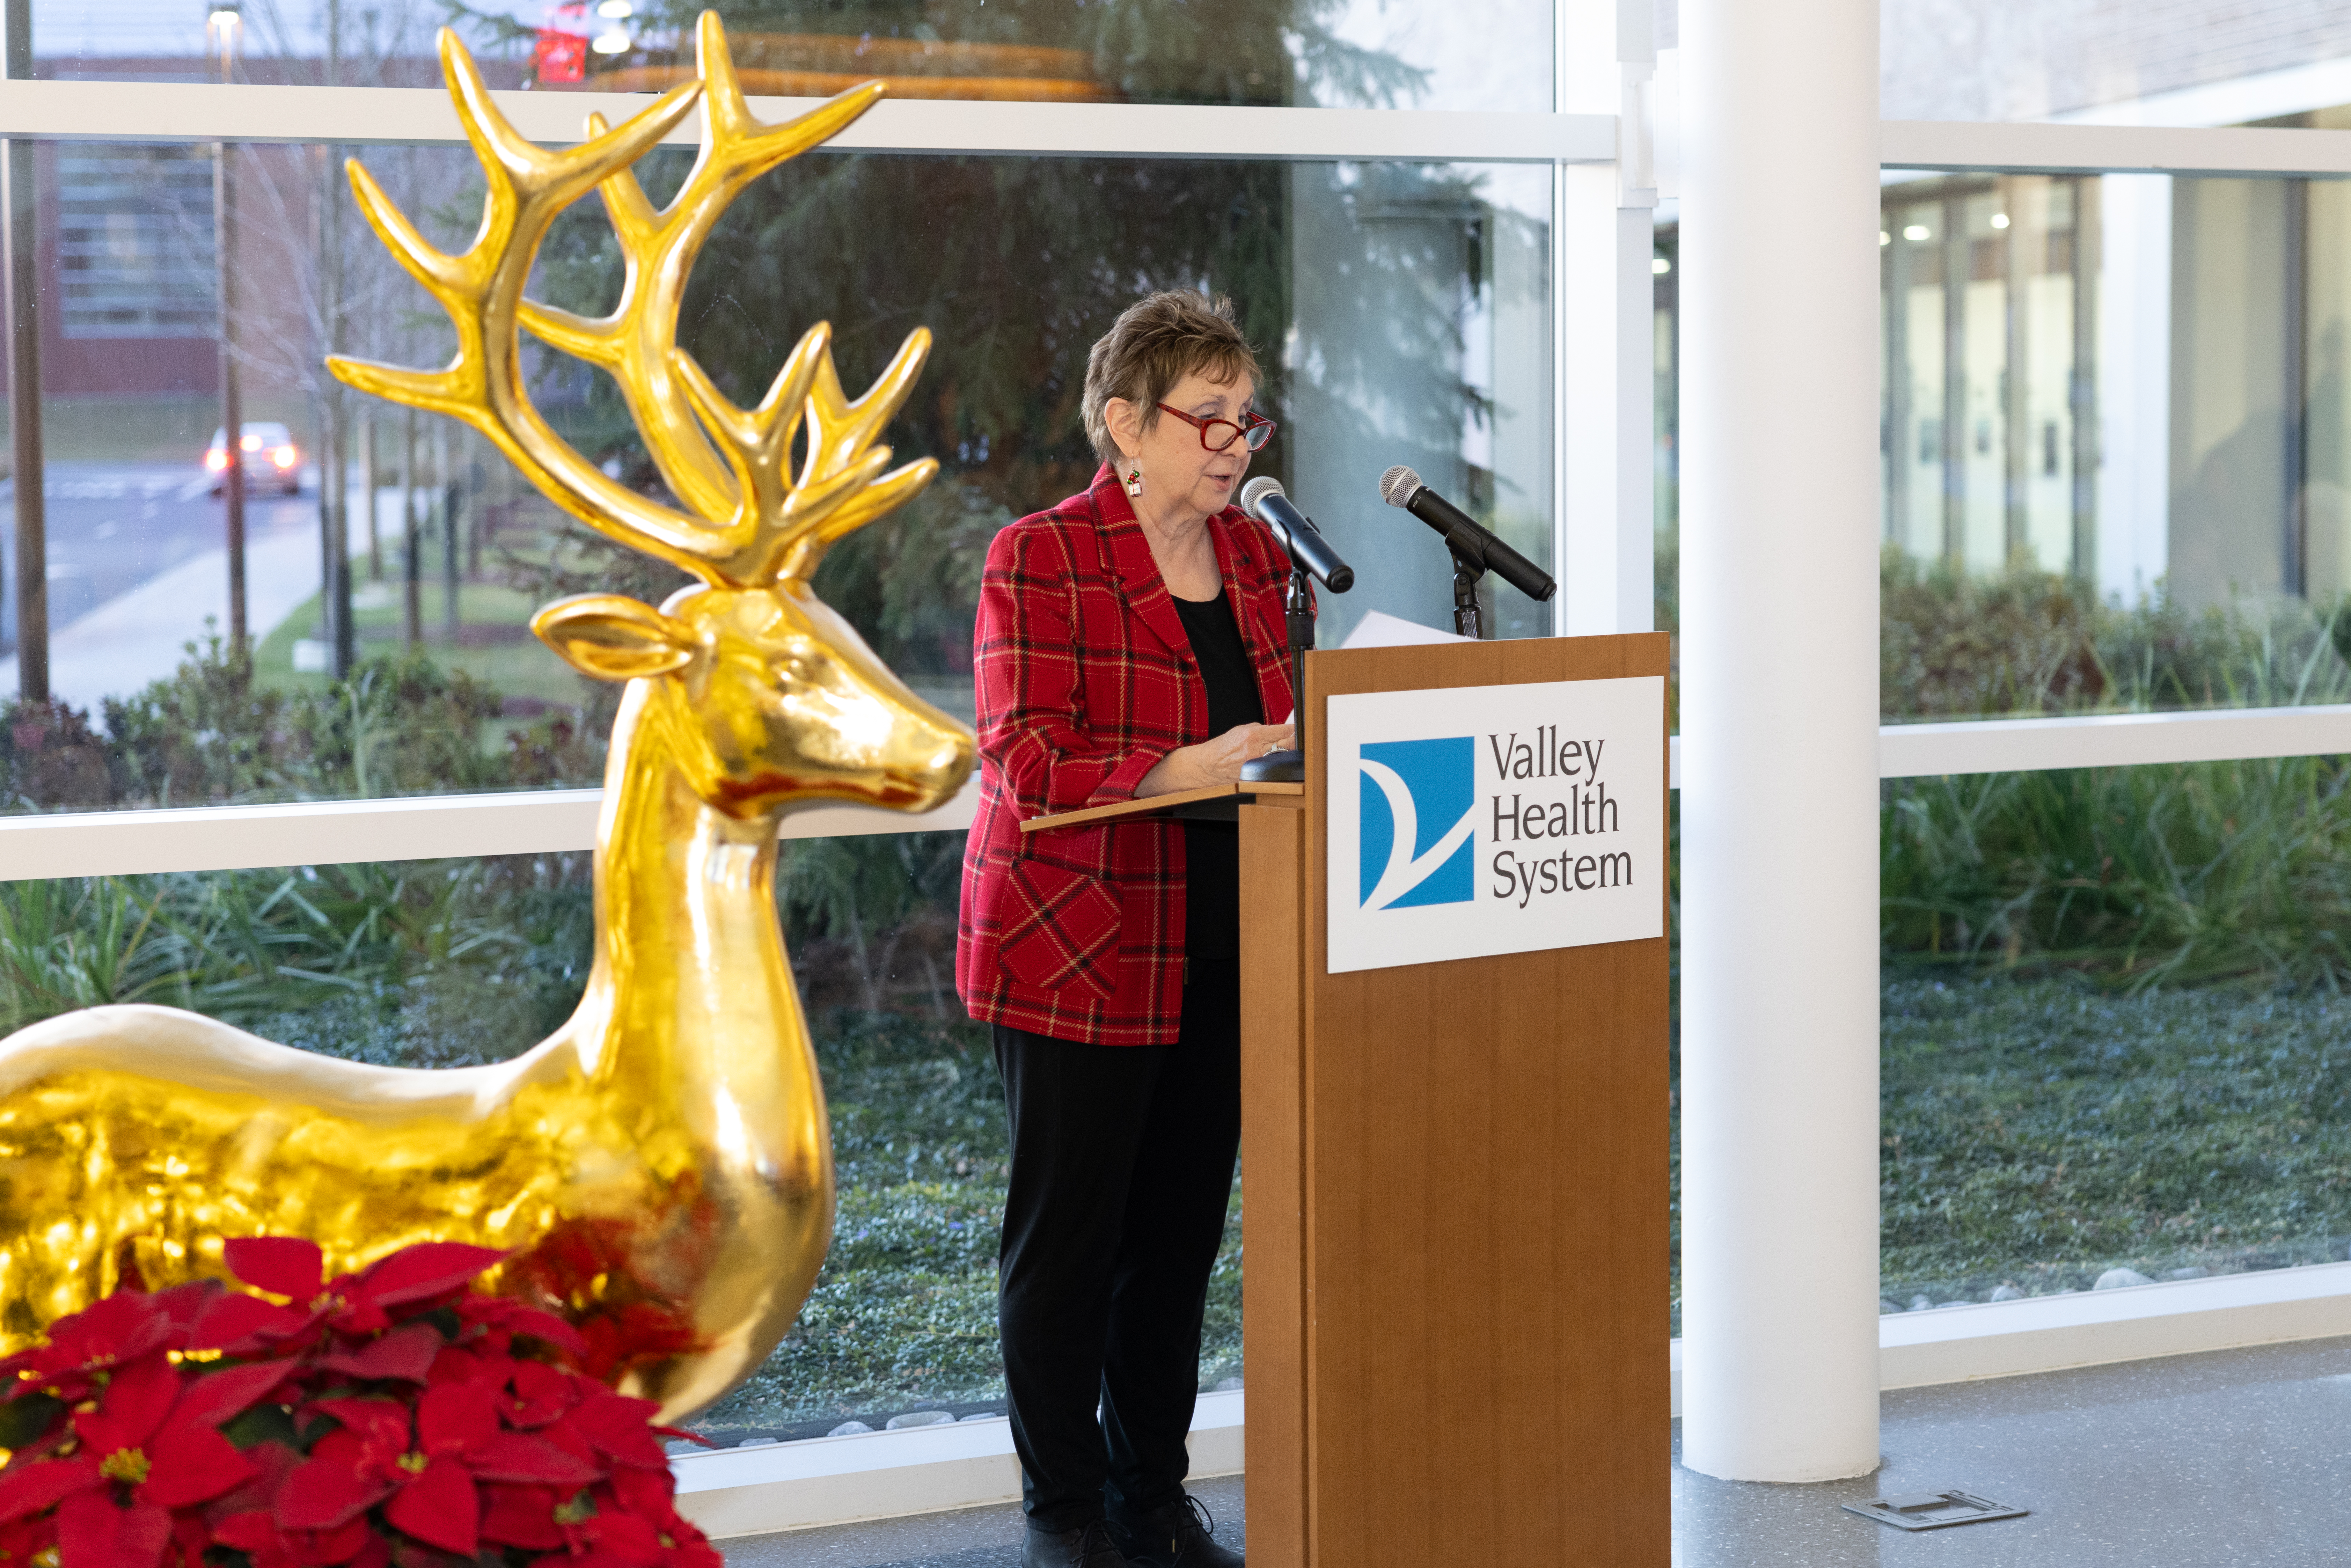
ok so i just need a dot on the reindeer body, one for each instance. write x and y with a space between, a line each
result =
660 1167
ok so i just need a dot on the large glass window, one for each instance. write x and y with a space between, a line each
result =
2112 442
2113 1027
1401 312
1495 54
2195 65
442 963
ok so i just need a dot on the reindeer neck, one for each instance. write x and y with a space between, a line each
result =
691 995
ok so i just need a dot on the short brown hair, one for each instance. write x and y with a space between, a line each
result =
1156 342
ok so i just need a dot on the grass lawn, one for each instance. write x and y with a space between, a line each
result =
2036 1134
494 645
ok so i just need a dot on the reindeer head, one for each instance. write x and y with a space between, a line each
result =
766 693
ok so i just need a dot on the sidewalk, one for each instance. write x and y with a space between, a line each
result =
139 636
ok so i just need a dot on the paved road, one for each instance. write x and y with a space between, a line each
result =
137 563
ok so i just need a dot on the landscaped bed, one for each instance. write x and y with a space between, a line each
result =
2038 1134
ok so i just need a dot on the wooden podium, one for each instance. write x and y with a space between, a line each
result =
1455 1221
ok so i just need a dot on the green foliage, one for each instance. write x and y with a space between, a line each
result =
209 733
1952 645
2160 875
418 964
2139 876
2038 1134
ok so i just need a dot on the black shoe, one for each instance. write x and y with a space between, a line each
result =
1088 1547
1181 1535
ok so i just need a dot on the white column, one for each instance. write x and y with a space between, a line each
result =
1602 302
1779 716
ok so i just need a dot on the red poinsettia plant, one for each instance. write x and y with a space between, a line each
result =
395 1416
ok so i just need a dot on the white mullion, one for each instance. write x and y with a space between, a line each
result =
438 827
1963 147
196 112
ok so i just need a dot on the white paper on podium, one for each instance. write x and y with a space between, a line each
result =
1381 630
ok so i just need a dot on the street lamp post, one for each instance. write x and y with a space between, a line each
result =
223 31
24 325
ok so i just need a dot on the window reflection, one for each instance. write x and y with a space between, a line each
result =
1323 53
1402 311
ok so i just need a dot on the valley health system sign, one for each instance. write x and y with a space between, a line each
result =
1479 820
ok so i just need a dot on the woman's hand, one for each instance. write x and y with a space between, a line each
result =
1216 761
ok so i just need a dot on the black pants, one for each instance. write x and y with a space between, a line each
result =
1121 1170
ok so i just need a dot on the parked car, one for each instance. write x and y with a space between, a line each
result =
272 460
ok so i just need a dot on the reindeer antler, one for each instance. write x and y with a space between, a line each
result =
746 524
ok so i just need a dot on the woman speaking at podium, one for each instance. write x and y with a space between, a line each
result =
1130 643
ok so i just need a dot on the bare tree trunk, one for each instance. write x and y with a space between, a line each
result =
24 327
450 504
369 481
232 404
412 544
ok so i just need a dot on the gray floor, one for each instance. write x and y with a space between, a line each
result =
972 1538
2239 1458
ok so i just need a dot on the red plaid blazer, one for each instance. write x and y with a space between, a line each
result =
1086 681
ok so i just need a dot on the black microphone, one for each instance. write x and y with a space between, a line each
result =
1464 535
1264 499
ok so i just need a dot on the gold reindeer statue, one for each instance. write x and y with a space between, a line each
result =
660 1167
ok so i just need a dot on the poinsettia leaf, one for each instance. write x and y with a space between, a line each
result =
117 1328
189 1465
26 1418
622 1428
626 1537
90 1528
372 1550
252 1531
541 1393
101 1435
521 1516
439 1508
240 1323
355 1544
215 1396
137 1399
426 1269
406 1354
29 1489
546 1326
183 1304
649 1494
284 1265
456 1417
380 1421
364 1316
681 1435
519 1457
272 1463
323 1494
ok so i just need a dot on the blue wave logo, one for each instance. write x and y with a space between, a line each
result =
1415 821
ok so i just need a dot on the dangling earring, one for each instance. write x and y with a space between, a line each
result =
1133 480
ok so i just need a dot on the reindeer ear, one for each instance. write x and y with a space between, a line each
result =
612 637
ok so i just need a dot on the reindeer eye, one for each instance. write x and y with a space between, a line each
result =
795 669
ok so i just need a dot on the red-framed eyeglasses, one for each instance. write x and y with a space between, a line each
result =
1254 428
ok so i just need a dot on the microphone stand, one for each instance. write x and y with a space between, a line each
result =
1467 618
1298 611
